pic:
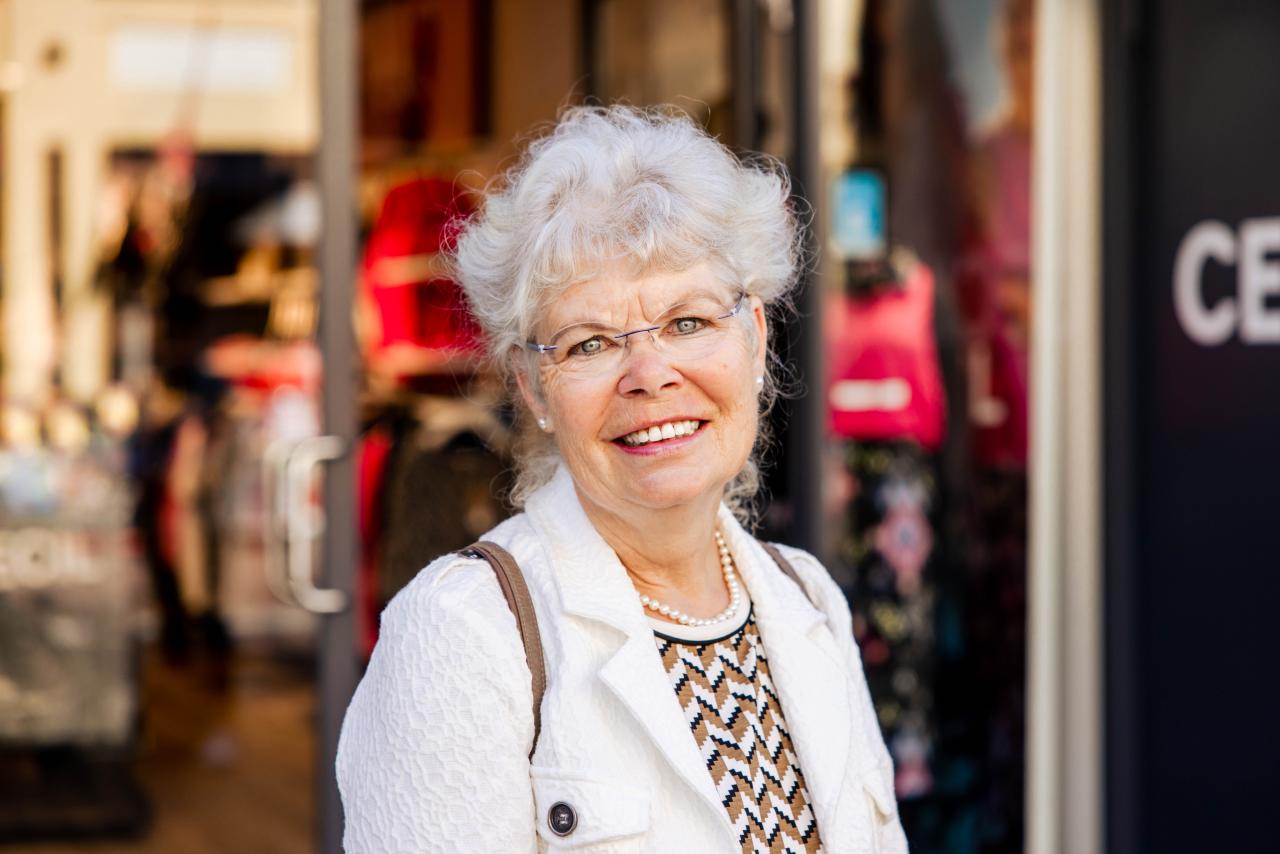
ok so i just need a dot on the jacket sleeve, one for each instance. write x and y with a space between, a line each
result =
828 597
433 754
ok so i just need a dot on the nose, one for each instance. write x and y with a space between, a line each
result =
646 370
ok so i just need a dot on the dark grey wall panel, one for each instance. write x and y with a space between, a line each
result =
1192 136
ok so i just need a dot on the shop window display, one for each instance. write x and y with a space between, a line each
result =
927 330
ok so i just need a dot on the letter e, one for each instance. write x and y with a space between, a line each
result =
1259 279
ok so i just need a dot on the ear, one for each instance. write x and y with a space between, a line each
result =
761 321
527 384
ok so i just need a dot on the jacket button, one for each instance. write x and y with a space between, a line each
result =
562 818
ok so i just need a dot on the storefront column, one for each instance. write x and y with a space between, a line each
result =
808 410
336 165
1065 605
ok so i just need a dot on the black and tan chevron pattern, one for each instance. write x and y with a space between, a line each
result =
727 695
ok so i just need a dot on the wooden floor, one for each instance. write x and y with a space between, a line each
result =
226 760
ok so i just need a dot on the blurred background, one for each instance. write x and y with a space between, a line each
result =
241 404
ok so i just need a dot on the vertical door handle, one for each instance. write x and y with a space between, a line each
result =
304 523
275 544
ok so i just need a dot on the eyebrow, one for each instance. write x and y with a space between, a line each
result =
595 324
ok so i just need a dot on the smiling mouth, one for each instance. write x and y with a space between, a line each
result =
660 433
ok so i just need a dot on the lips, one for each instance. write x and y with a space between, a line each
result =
661 431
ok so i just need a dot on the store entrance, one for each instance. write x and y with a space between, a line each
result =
160 617
164 632
240 404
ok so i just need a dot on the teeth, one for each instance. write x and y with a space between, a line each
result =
670 430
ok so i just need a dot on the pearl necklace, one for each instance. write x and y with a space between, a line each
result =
735 595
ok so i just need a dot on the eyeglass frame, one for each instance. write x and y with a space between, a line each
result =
543 349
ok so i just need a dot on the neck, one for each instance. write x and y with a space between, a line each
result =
669 554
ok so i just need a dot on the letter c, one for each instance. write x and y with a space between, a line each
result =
1206 326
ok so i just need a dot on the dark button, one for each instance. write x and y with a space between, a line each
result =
562 818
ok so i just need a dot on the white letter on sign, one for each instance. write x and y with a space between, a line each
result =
1259 279
1205 326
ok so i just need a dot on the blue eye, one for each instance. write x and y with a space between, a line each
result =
688 325
591 347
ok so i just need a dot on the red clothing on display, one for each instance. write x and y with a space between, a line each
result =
884 380
416 304
371 468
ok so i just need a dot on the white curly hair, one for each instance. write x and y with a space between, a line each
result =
620 185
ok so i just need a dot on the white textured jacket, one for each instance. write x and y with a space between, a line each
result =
434 749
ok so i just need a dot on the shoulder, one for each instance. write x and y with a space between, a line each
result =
819 586
448 642
449 669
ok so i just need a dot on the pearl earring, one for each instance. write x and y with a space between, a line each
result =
760 381
542 422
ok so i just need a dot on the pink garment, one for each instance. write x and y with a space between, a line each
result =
1007 153
993 286
884 380
416 305
371 469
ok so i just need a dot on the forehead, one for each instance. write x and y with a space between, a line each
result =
618 298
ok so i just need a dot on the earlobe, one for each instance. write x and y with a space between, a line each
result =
531 397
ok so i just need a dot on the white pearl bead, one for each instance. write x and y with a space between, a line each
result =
731 582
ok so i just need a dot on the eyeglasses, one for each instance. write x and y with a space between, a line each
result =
687 331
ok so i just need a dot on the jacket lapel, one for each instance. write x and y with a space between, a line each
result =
806 669
593 585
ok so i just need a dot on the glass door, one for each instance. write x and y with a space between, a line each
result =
176 421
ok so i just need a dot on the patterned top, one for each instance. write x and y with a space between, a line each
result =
733 709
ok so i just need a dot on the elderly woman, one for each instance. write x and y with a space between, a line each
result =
703 692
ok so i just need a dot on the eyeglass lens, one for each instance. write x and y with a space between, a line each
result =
689 330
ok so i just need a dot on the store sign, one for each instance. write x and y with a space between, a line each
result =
1254 312
1193 416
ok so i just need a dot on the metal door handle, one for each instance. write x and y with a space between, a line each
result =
275 544
304 524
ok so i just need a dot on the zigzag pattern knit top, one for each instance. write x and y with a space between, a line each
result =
724 688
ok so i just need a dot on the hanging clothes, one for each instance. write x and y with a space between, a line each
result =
884 382
889 544
415 303
445 484
888 417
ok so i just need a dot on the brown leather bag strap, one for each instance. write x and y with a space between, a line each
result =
785 566
511 580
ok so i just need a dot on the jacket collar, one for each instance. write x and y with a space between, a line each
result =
591 581
804 662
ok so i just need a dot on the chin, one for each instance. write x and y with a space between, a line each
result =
666 490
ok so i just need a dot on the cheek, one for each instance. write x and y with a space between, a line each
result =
577 413
737 381
738 401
